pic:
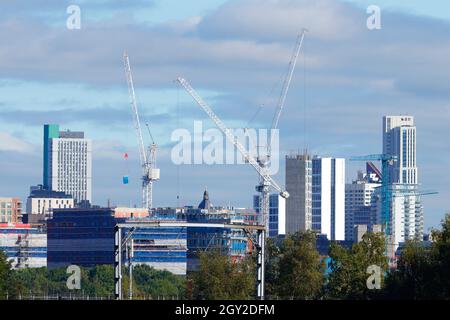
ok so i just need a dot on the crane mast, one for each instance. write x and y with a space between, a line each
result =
263 187
266 180
148 161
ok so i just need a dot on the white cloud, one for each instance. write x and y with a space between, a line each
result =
11 143
282 19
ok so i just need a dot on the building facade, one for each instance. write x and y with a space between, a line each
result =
85 237
399 139
24 246
361 202
68 163
328 197
299 185
10 210
41 202
277 213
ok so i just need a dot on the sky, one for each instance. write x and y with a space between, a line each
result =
235 54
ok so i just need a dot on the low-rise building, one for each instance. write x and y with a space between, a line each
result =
41 202
85 237
24 246
10 210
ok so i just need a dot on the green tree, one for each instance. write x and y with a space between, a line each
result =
423 272
441 256
6 280
219 278
415 275
154 283
294 268
348 277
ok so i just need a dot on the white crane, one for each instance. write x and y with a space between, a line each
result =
267 180
148 160
263 161
287 81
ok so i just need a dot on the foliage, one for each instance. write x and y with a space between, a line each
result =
423 272
415 275
153 283
348 277
219 278
5 277
441 257
97 281
294 268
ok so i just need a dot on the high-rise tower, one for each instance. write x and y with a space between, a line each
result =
399 139
68 163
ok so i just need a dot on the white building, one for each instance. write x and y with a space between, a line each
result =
399 139
40 203
360 203
407 221
68 163
277 213
328 197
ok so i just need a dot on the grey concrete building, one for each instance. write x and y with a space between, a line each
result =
299 185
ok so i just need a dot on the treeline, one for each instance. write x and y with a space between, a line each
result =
96 283
295 270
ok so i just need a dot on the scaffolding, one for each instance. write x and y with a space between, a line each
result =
120 242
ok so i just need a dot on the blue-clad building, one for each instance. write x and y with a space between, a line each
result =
85 237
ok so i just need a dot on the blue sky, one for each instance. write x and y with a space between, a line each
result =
234 53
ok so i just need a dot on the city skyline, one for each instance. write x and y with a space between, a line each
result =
347 93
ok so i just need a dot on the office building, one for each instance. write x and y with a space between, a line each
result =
277 213
10 210
360 200
299 185
67 163
328 197
399 139
85 237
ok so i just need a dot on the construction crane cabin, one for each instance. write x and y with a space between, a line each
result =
148 159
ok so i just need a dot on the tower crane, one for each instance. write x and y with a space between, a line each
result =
287 81
263 161
267 180
148 159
